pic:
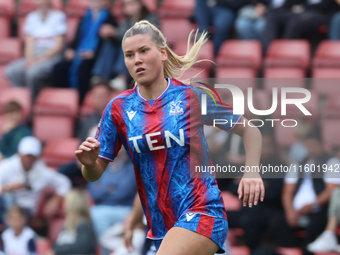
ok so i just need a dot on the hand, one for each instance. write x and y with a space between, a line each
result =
251 188
87 54
306 209
29 63
128 232
292 218
69 54
88 152
13 187
107 30
260 10
51 207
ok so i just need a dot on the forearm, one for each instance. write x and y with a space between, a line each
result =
29 47
93 173
252 140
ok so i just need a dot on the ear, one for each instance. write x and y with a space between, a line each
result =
164 54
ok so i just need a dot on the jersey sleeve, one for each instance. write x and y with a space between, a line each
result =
107 135
218 113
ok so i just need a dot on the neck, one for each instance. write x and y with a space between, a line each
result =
153 91
44 12
17 231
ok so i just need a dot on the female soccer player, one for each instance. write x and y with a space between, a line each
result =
163 135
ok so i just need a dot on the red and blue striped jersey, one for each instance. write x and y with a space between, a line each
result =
164 140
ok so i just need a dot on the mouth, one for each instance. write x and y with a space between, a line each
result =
140 70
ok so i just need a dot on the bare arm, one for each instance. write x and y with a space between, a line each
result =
29 47
251 186
93 166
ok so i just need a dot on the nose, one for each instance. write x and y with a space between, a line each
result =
138 59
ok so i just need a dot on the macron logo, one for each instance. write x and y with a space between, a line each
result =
131 114
190 216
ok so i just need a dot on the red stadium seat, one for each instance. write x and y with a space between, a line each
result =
243 78
327 55
239 53
10 49
284 136
72 25
330 133
288 53
231 202
289 251
47 128
169 27
4 82
57 102
54 227
20 95
206 52
4 27
193 73
43 246
7 8
283 77
239 250
177 9
332 107
27 6
326 80
60 151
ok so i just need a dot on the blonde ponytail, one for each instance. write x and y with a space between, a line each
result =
175 66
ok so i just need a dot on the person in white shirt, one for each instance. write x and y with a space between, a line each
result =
306 193
25 177
44 29
18 239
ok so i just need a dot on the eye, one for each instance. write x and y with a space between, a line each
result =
129 55
145 50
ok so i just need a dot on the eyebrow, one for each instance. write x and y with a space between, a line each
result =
143 46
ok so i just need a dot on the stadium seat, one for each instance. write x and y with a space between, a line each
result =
55 225
332 107
177 9
4 27
4 82
60 151
326 80
288 53
170 27
327 55
239 250
10 49
7 8
57 102
43 246
20 95
27 6
330 134
289 251
239 53
206 52
72 25
47 128
243 78
283 77
194 73
231 202
284 136
76 8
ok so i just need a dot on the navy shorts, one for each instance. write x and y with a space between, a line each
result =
214 228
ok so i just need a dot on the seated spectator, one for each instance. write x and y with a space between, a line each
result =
334 26
23 178
256 220
219 13
297 21
13 130
251 19
77 235
110 62
306 195
327 241
45 31
298 150
18 239
101 96
113 194
75 70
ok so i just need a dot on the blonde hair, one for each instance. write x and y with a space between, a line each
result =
76 208
174 66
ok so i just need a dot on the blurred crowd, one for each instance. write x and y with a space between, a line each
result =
49 210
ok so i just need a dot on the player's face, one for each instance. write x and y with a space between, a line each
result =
144 59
